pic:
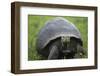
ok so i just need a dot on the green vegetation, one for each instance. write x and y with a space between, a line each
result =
36 22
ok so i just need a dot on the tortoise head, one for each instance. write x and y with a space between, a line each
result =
71 47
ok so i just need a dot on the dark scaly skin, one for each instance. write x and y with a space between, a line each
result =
67 51
55 50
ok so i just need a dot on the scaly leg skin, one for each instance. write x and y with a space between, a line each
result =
54 53
80 52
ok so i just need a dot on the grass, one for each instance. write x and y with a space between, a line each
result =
36 22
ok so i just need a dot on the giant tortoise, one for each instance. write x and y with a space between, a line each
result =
59 39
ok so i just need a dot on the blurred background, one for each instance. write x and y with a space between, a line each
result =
35 24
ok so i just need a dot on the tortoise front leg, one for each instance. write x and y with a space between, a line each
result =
54 53
80 52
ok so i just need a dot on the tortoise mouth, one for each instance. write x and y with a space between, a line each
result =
66 51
